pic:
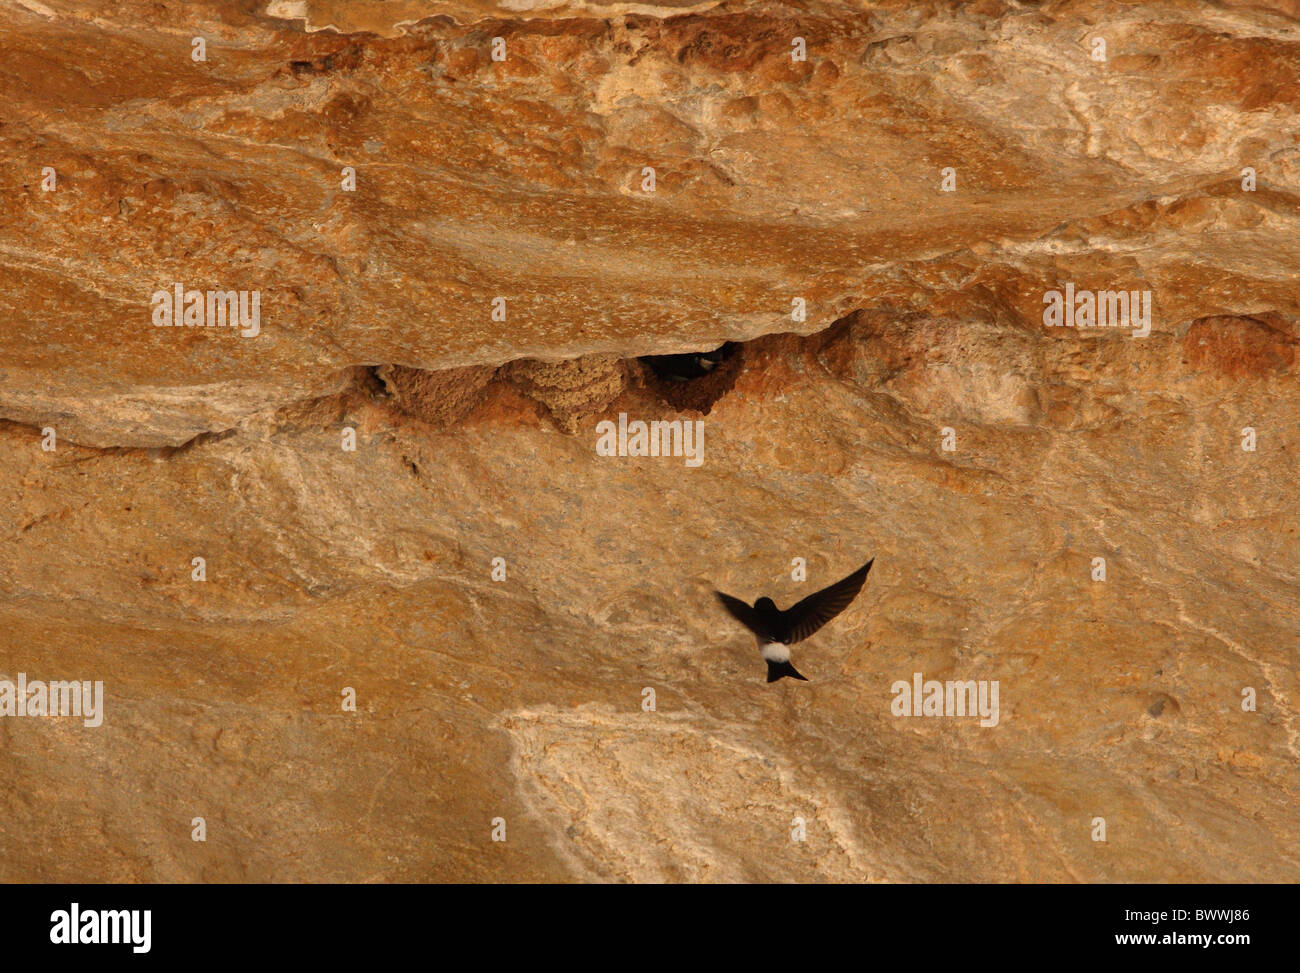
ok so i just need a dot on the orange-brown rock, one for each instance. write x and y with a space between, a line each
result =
877 227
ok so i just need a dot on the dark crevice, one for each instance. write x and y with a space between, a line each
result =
370 381
571 391
693 364
694 381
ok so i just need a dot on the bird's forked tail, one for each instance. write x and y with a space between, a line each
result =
779 670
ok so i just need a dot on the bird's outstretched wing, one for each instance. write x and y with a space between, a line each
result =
817 609
744 614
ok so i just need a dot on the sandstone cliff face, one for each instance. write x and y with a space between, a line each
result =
478 304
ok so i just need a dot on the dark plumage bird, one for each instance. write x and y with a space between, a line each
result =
777 630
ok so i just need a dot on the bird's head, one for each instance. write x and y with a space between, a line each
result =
765 605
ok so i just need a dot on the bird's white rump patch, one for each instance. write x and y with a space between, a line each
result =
775 652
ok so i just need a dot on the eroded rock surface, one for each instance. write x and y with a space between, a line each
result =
780 184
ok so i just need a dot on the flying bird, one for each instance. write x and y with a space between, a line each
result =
777 630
